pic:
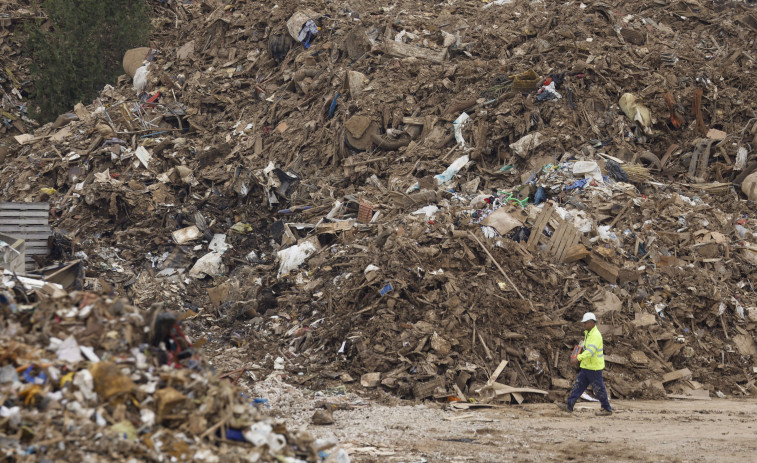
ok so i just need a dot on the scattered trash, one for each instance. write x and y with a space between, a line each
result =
211 264
636 111
452 170
525 145
458 125
378 187
302 26
293 257
187 234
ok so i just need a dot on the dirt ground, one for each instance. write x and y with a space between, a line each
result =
664 431
376 430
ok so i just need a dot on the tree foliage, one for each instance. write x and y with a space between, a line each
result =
79 49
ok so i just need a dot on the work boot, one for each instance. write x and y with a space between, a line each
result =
564 407
604 412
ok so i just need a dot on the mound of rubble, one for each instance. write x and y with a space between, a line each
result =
409 195
91 378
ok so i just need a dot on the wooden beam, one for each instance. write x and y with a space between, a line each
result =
502 389
620 214
604 269
497 372
500 269
403 50
538 228
24 206
575 253
675 375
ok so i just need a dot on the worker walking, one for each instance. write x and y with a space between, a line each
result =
592 363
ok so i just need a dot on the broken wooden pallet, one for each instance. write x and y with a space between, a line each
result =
537 232
29 222
564 238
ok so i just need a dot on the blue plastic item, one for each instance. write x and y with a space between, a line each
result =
578 184
261 402
233 434
40 379
386 289
540 196
332 108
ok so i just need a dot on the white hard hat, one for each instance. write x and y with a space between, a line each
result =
588 316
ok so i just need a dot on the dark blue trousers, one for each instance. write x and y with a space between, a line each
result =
586 377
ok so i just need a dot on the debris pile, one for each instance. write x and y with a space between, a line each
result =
14 74
87 376
406 196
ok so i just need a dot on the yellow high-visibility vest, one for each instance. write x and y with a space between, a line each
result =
593 356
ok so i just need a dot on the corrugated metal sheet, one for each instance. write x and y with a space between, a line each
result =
28 221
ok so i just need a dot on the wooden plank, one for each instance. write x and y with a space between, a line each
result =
626 275
37 252
552 238
36 236
414 120
26 221
333 227
460 393
36 244
28 236
575 241
667 155
486 348
565 243
568 240
538 229
502 389
554 221
644 319
556 238
561 241
694 162
65 276
468 406
504 274
675 375
18 214
571 240
535 231
561 383
620 214
696 395
604 269
576 253
10 229
403 50
497 372
24 206
423 390
704 159
620 360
